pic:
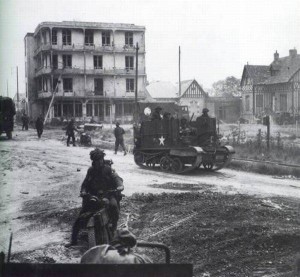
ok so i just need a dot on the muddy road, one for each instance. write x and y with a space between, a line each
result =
43 176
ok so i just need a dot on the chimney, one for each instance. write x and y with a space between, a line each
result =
293 53
276 56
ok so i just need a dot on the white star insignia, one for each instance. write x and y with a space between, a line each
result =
161 140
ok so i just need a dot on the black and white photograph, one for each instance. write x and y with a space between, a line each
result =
150 138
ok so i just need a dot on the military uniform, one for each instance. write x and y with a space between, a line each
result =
99 182
119 132
70 132
39 125
156 114
25 120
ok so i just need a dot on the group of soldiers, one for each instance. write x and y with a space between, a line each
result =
70 131
157 114
39 124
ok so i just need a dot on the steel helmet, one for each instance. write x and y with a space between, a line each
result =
97 154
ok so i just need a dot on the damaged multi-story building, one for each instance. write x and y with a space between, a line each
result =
89 67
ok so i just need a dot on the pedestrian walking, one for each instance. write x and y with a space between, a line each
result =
119 132
70 132
39 125
25 121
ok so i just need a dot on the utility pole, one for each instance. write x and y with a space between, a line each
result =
7 87
136 84
18 89
179 74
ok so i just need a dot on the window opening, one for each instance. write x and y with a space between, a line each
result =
66 37
129 85
129 62
98 83
54 37
89 37
129 38
68 84
105 38
67 61
98 62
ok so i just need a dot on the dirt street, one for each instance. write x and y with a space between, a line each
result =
41 178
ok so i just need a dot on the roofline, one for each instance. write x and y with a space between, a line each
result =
29 35
294 74
92 25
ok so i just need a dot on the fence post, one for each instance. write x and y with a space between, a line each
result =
259 139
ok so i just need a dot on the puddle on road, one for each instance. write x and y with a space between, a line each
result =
181 187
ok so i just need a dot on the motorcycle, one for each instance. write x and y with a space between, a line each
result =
99 224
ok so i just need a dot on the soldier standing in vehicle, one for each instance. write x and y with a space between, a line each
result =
39 125
119 132
100 179
205 113
70 132
157 113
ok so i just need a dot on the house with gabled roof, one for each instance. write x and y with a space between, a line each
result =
189 94
275 88
193 96
252 75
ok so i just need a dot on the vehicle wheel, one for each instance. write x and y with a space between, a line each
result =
176 165
139 158
9 135
208 166
164 164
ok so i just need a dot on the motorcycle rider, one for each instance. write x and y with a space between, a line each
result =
100 180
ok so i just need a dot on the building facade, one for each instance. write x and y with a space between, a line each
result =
274 88
89 67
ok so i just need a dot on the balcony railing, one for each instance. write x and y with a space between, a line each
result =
92 47
83 93
88 71
42 70
44 94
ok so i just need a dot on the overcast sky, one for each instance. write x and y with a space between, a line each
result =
217 37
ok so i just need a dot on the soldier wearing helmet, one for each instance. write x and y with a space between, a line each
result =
205 112
119 132
100 179
70 132
157 113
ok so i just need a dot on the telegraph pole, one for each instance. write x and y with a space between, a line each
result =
18 99
136 83
179 73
